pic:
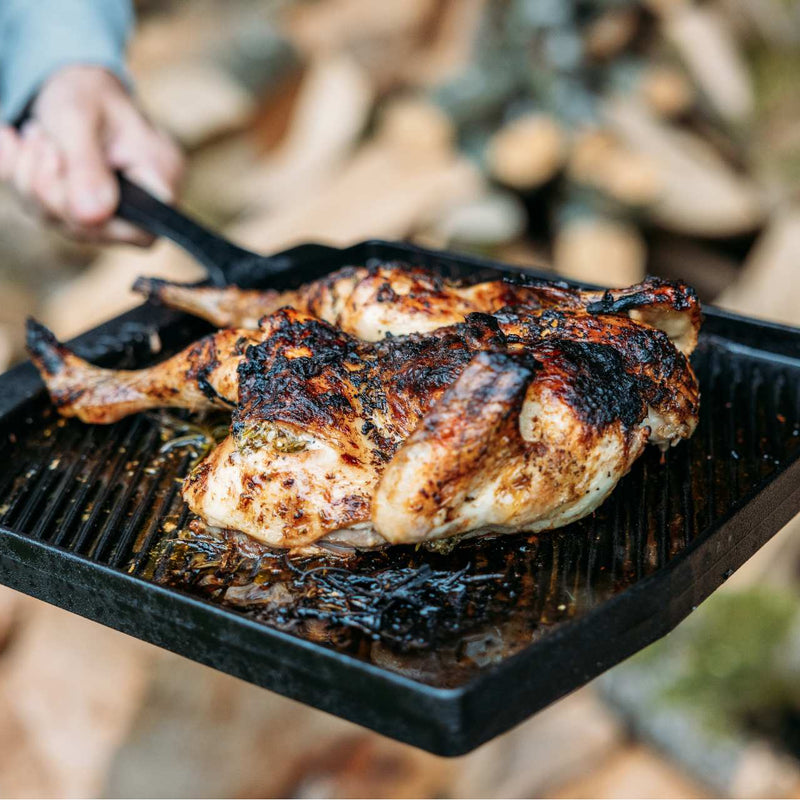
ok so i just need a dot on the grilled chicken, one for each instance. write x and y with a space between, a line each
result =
520 420
205 375
393 299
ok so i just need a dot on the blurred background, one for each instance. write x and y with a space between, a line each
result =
602 139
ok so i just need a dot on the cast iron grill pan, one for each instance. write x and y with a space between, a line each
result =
440 649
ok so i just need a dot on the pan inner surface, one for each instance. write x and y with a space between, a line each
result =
112 494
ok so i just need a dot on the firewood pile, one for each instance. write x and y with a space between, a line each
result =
605 138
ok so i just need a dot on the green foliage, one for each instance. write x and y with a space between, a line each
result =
731 656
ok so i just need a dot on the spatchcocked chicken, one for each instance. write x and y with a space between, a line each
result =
519 411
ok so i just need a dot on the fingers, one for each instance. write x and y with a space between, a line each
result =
32 163
158 167
36 168
85 127
27 159
9 152
145 154
113 231
92 193
47 181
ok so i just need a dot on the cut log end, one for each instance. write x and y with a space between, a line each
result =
527 152
666 91
416 123
600 250
600 161
611 32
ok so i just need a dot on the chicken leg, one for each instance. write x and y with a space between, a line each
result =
201 377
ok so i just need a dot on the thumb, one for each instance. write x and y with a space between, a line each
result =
92 191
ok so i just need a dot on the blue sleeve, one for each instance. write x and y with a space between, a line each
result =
37 37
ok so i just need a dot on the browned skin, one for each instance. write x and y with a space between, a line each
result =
322 416
202 376
205 374
397 299
355 442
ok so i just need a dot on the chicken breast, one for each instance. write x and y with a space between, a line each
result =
524 422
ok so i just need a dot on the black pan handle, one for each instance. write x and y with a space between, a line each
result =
219 256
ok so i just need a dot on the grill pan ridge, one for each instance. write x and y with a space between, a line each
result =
441 650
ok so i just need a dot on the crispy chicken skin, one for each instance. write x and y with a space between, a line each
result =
520 420
203 376
393 299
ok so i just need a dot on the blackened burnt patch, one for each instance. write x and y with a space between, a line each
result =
593 380
675 294
301 389
203 360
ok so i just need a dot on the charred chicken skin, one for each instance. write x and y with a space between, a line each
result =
524 419
372 302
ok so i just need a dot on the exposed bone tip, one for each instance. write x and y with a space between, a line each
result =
43 347
148 287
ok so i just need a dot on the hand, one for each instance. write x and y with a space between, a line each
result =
82 128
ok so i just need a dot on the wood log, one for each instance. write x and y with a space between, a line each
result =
365 765
765 771
700 195
477 93
483 224
598 249
571 738
6 348
258 57
527 152
274 116
525 253
332 109
184 32
598 159
416 123
450 46
218 91
665 8
768 286
103 290
204 734
611 32
196 101
634 770
775 564
385 191
704 41
323 28
666 91
663 86
214 185
69 691
707 269
763 21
